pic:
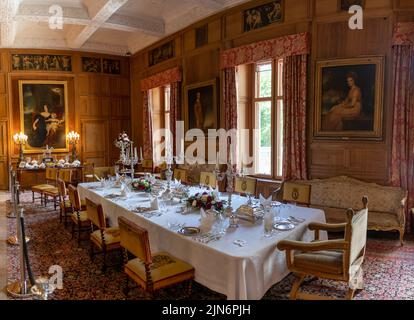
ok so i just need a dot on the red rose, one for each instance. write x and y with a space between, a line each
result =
208 206
209 199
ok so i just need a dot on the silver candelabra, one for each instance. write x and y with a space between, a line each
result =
231 174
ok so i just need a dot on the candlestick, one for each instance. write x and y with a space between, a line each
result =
140 153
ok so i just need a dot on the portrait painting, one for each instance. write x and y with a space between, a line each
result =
201 106
41 62
261 16
91 64
344 5
349 98
201 36
44 114
111 66
161 53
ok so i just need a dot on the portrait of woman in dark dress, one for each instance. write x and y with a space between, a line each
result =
39 127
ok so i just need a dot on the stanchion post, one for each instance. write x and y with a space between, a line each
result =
12 181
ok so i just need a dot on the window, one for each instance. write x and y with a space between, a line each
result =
268 118
160 116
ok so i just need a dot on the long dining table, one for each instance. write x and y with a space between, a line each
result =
243 264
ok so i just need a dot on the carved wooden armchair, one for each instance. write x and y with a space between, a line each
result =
339 260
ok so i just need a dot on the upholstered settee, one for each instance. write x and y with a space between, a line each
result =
335 195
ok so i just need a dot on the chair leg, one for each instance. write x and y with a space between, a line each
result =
126 286
350 294
296 285
402 237
91 252
33 197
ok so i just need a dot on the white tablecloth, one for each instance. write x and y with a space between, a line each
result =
241 273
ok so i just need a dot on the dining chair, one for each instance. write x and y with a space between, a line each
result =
339 260
180 174
79 217
50 176
147 166
208 179
150 271
245 185
105 239
293 192
64 203
88 172
54 193
103 172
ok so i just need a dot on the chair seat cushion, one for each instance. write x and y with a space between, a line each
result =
320 261
164 266
42 187
54 192
112 237
69 205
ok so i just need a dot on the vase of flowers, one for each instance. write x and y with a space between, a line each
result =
206 200
122 142
142 185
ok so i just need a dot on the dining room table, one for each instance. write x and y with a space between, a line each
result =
241 261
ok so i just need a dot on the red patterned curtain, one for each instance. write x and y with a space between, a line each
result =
147 130
174 109
230 106
294 121
402 158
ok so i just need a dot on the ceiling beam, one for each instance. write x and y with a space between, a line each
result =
8 9
80 16
99 12
212 4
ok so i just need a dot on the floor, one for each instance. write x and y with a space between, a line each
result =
388 267
3 245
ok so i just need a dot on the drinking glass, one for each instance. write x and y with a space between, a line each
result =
268 223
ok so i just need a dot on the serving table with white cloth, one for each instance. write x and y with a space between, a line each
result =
240 273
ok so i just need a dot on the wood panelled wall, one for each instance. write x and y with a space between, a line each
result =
331 38
99 107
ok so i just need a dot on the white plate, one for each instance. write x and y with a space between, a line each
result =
284 226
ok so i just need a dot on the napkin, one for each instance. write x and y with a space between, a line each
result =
266 203
124 192
207 221
154 204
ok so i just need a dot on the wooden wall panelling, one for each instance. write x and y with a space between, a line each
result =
94 136
4 180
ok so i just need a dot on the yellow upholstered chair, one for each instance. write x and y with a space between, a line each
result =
54 193
150 271
79 217
64 203
147 166
296 193
105 239
208 179
180 174
245 185
339 260
51 176
87 172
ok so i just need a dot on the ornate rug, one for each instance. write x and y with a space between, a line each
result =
388 267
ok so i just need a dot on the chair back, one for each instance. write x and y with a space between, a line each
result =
103 172
87 171
147 164
180 174
135 239
296 192
62 189
356 232
208 179
74 198
95 214
245 185
65 175
51 174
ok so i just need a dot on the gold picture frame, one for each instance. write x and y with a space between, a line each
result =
47 126
349 98
208 102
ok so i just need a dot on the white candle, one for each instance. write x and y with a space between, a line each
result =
140 152
217 160
135 153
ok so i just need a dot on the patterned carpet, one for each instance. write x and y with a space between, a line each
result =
389 268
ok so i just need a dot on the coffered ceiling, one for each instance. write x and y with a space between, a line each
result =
105 26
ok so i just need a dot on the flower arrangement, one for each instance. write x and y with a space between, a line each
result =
142 185
122 141
206 200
